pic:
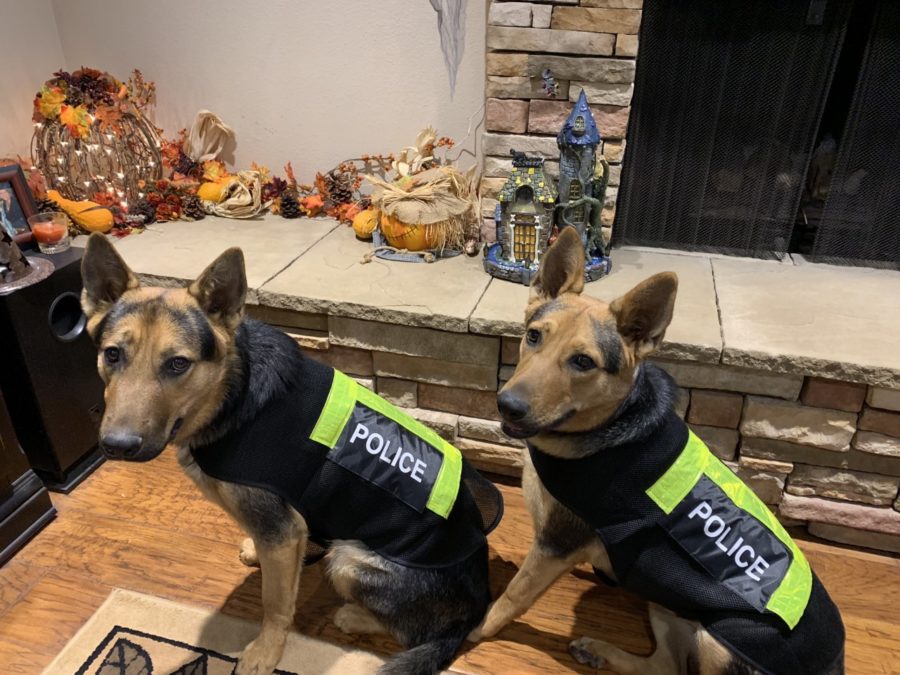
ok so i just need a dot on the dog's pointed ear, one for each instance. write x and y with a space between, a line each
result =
562 267
222 288
644 312
104 276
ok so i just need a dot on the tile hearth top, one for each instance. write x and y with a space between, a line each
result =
808 319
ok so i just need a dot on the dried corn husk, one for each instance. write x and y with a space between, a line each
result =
207 138
440 199
243 197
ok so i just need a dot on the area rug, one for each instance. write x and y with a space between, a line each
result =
135 634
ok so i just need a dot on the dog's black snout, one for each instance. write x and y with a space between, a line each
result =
121 444
511 406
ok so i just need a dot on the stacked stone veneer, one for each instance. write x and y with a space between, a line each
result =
586 44
821 453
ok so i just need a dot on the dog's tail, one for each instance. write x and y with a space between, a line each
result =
424 659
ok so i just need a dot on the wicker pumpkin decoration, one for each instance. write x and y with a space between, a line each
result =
364 223
405 236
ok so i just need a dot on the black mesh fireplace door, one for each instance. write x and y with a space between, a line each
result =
727 101
861 220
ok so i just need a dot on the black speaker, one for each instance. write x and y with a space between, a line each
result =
48 374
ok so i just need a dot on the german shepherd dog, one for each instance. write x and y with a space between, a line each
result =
182 367
581 390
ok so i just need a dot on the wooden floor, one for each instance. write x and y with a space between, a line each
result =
144 527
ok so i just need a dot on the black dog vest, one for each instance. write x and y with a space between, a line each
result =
355 467
683 531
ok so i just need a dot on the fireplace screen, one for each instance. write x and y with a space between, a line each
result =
727 102
861 220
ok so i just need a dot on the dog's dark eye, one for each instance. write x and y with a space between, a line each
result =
111 355
533 336
582 362
178 365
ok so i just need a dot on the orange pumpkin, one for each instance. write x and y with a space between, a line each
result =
364 223
402 235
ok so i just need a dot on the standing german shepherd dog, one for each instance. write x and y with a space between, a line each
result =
613 478
183 366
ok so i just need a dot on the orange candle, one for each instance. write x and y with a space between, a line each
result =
48 233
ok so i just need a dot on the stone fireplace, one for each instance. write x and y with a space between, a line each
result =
755 127
591 45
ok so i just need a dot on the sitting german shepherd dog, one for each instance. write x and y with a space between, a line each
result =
296 453
614 478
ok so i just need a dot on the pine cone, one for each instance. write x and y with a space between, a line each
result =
340 188
45 205
185 165
145 209
290 205
192 208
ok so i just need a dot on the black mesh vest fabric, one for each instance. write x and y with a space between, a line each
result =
608 490
274 452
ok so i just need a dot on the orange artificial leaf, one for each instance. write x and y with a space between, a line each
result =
76 119
289 172
312 205
320 184
347 212
108 117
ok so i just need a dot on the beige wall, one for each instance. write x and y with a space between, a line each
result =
31 52
309 81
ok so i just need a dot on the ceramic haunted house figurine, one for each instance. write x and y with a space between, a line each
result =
524 219
582 184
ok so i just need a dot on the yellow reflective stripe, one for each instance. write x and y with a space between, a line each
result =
446 485
342 398
676 483
338 408
790 598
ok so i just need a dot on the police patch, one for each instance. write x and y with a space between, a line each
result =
388 455
729 543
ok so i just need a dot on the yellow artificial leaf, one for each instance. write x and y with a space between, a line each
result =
265 174
76 119
50 101
214 170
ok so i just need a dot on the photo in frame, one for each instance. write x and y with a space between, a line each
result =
16 204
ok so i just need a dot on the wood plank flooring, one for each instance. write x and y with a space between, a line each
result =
146 528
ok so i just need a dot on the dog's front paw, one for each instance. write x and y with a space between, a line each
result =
582 651
248 553
476 635
258 659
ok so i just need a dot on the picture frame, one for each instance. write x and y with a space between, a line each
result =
16 204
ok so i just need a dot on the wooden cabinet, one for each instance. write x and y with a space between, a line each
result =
24 501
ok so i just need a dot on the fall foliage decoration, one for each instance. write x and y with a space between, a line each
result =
90 135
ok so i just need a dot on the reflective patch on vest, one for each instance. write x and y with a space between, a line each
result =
730 544
388 455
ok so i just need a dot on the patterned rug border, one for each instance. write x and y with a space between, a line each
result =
217 635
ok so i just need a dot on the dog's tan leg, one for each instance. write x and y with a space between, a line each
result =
248 553
714 658
356 619
674 642
281 564
535 576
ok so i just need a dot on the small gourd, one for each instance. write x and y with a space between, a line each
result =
364 223
89 216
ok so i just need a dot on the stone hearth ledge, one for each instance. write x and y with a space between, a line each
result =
169 254
329 279
694 334
836 322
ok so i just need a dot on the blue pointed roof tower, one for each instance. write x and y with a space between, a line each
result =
572 132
